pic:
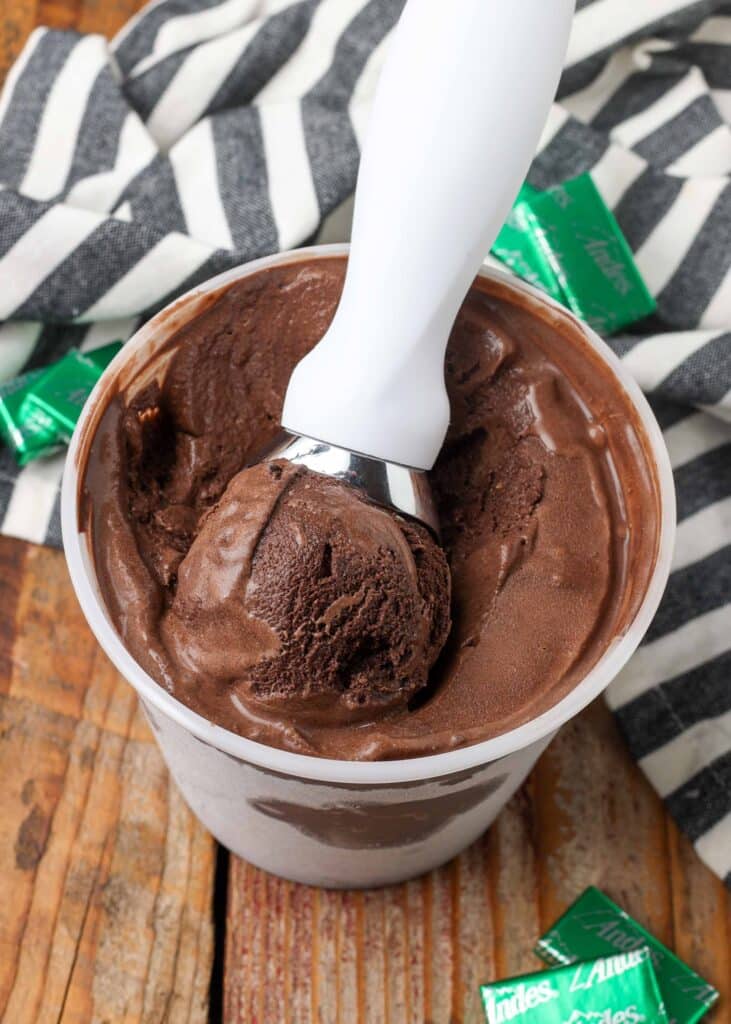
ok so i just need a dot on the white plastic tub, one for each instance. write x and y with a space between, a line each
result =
320 821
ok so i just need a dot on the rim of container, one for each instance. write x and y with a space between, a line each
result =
369 773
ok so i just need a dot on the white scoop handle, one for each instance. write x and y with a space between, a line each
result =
458 113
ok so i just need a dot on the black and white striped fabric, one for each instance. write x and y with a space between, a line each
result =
209 132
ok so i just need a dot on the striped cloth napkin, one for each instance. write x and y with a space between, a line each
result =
209 132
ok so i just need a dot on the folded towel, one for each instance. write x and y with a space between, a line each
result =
208 133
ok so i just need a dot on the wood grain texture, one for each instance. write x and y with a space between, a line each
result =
105 876
18 21
417 953
18 18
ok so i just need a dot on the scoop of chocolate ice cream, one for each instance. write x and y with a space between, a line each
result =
297 592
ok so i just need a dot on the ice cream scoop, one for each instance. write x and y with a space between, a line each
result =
462 99
299 597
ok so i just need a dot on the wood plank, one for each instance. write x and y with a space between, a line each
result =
18 18
63 14
599 823
105 876
511 881
104 16
701 918
418 952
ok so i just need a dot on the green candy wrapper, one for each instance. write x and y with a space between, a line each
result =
567 242
516 247
27 436
611 990
595 926
39 410
57 399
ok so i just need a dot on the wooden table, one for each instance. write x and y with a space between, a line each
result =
115 906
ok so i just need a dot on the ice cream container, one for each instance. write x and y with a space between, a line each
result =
321 821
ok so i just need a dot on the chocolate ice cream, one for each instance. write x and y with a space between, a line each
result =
546 495
299 597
